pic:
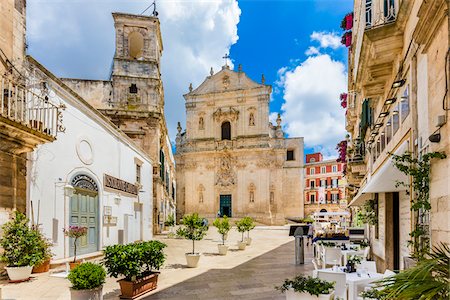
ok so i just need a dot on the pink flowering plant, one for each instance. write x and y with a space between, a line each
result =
75 232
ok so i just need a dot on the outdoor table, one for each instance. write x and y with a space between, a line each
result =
347 253
355 282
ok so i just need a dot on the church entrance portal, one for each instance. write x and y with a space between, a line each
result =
225 205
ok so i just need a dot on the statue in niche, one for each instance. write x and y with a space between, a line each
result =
225 175
200 197
272 196
201 123
252 196
251 121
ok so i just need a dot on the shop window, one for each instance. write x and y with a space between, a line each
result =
290 155
404 103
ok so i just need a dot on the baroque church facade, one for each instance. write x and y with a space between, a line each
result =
133 99
230 159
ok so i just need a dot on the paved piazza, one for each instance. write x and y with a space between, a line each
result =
248 274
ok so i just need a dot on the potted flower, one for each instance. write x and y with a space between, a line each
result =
351 263
137 263
307 288
44 247
170 222
194 229
20 246
242 226
87 281
223 226
250 224
75 232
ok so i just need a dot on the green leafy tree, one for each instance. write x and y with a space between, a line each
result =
170 220
20 243
194 228
223 227
241 227
419 169
249 225
87 276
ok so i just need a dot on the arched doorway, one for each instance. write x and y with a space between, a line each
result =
226 131
84 212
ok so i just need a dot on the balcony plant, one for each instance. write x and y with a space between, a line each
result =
241 227
347 39
194 229
223 227
429 279
347 22
20 245
307 288
75 232
343 98
137 263
87 281
250 225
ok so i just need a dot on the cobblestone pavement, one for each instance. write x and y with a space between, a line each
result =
249 274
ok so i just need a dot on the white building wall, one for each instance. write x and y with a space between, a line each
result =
90 145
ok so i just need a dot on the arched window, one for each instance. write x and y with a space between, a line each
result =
226 131
136 45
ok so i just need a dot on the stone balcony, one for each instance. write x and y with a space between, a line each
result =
27 118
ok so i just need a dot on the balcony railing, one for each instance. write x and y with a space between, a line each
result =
23 106
379 16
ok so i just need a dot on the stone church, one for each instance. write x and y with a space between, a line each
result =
230 159
133 99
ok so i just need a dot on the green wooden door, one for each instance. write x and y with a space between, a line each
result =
225 205
84 212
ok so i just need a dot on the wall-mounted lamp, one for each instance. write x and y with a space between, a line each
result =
378 125
395 112
384 114
390 101
375 133
435 137
398 83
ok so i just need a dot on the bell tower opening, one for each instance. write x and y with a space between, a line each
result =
136 45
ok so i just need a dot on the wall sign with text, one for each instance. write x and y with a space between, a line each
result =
120 185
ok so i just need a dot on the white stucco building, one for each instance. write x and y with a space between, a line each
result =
92 175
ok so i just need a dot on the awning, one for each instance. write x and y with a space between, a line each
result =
384 180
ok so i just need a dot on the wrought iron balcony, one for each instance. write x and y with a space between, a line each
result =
379 16
26 108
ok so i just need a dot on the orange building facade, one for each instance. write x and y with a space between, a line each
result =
324 186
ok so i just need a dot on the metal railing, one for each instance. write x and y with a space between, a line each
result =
385 14
22 105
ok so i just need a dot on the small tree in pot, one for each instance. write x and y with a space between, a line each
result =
194 228
241 227
87 282
136 262
75 232
21 248
307 288
223 227
250 225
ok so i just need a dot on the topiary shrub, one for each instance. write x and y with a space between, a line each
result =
223 227
194 229
87 276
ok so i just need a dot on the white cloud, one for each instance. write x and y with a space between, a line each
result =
311 106
312 51
326 39
74 41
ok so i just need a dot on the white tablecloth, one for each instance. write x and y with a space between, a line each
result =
355 283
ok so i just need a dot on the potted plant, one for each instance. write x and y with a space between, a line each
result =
44 247
137 263
307 288
250 224
20 246
242 228
194 229
170 222
223 226
87 281
75 232
351 263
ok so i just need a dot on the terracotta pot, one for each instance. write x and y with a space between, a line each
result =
44 267
242 245
18 274
222 249
92 294
192 260
134 289
73 265
291 295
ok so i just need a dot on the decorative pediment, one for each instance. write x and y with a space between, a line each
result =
230 113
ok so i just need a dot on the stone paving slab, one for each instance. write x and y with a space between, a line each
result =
248 274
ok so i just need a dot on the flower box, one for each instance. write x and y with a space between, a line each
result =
347 39
292 295
134 289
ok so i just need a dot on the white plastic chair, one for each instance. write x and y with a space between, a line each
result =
370 266
315 264
340 286
332 256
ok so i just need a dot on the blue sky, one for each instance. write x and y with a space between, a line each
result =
294 43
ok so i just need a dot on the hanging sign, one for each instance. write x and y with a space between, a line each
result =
120 185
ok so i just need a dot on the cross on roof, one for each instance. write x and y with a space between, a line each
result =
226 57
